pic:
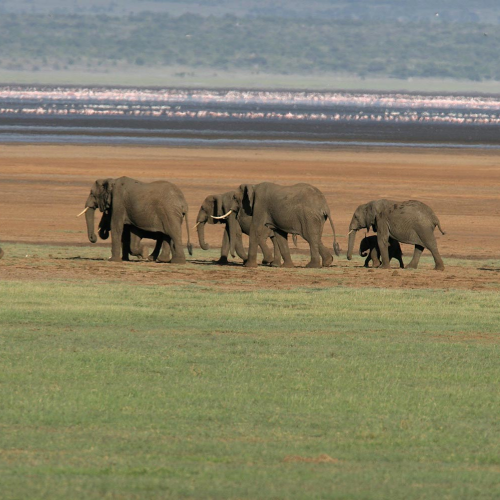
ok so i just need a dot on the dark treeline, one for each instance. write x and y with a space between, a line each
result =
372 47
481 11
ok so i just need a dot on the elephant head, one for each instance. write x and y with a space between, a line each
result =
365 217
100 196
365 246
210 208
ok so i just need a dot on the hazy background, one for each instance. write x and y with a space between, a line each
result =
372 44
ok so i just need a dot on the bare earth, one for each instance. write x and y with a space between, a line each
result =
43 187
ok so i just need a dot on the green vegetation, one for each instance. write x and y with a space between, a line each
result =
374 47
395 10
115 390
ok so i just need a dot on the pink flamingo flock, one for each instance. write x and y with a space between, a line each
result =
169 103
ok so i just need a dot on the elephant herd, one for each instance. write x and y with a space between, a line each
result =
132 210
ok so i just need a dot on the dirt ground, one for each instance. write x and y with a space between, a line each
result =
44 187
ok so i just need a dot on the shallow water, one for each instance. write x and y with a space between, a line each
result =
246 118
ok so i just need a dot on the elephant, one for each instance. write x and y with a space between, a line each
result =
131 241
300 209
1 253
150 210
411 222
211 212
369 248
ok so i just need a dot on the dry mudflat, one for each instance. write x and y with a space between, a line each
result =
43 187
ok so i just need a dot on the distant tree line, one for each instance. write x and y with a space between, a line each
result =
265 44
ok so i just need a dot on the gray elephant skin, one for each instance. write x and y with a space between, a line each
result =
410 222
153 210
369 248
1 253
132 241
300 209
215 210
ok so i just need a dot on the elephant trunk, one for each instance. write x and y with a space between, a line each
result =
350 249
89 218
201 235
232 222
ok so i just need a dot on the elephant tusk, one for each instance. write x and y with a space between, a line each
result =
225 216
350 231
81 213
196 225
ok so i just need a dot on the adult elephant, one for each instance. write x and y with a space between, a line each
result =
300 209
213 210
411 222
156 210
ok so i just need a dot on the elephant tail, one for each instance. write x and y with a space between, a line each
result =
336 247
437 223
189 245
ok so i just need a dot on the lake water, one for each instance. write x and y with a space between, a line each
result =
180 117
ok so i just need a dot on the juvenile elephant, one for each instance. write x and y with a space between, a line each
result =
154 210
299 209
213 211
131 241
369 248
411 222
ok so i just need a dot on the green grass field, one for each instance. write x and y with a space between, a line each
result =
112 390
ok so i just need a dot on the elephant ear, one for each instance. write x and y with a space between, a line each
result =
248 198
210 207
218 208
105 193
371 216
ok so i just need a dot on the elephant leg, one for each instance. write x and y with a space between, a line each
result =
254 237
375 257
326 255
165 245
368 259
383 245
178 256
136 249
282 241
238 241
416 257
224 251
1 253
126 243
266 252
156 251
400 259
312 236
430 243
117 240
276 262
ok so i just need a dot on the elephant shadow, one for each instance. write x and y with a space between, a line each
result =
199 262
96 259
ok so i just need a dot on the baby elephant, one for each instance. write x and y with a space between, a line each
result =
369 245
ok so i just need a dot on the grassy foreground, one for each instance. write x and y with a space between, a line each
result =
123 391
